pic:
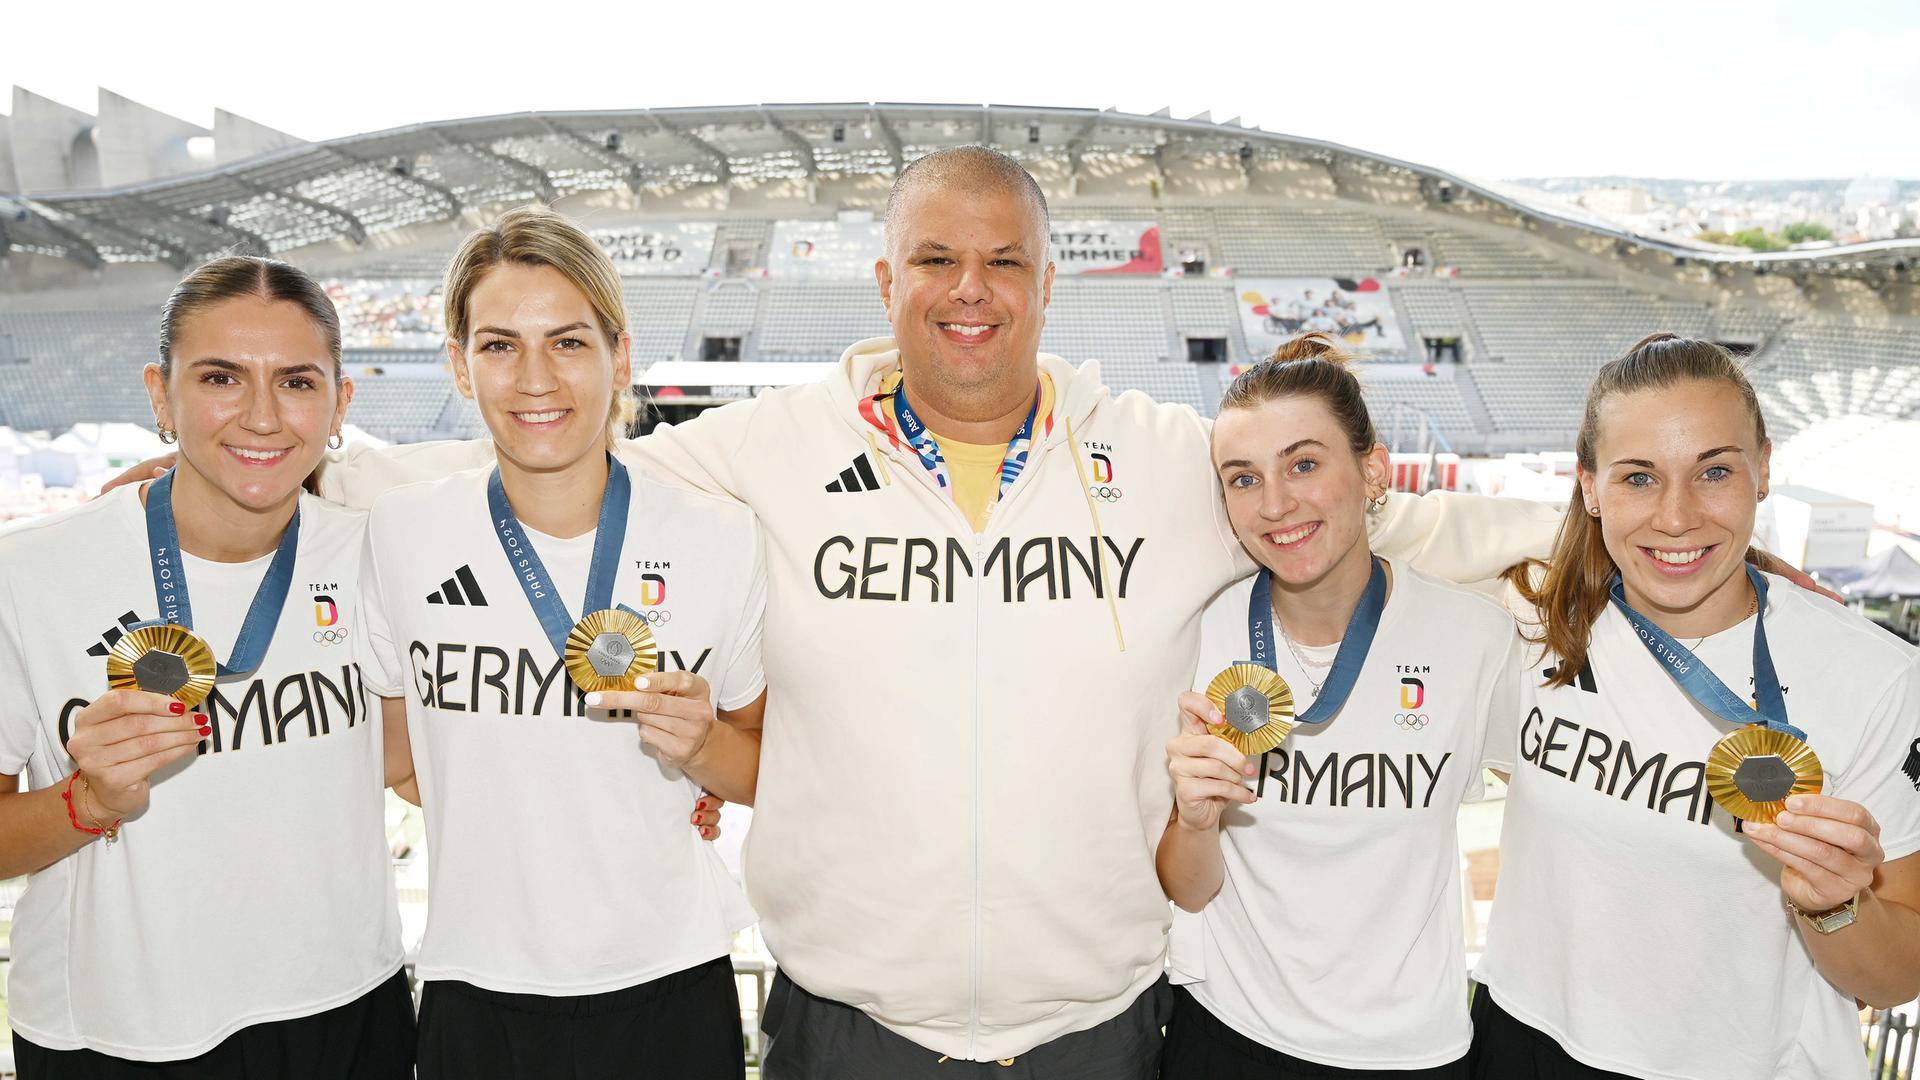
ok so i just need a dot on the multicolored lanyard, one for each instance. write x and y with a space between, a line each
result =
913 432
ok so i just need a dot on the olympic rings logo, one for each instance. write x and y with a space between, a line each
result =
330 636
1410 721
1104 492
657 616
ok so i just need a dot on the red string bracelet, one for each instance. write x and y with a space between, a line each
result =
110 832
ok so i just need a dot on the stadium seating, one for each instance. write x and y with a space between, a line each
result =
1532 329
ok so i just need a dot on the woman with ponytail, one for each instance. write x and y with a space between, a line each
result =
1708 854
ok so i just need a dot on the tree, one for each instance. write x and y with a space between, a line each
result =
1759 240
1802 231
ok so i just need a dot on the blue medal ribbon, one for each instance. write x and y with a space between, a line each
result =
1697 681
1347 662
170 581
609 537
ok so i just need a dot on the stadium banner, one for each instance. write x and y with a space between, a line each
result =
1356 312
1106 247
659 248
388 313
825 250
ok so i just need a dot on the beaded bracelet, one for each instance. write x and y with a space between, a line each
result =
109 832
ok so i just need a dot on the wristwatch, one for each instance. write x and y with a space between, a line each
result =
1826 922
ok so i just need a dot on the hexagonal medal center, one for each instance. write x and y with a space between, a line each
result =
1764 778
610 655
1248 710
160 672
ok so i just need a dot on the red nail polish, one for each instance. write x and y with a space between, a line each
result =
176 707
205 731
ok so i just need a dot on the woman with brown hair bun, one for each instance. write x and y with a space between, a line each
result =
1321 930
1709 847
209 895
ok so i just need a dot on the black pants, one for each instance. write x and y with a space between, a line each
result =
683 1026
1200 1047
1506 1049
814 1038
369 1038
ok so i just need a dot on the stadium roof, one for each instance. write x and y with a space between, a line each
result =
353 188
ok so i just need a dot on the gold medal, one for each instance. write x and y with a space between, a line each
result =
609 649
1751 772
163 659
1257 705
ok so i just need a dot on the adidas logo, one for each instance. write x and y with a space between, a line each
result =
461 590
112 637
856 477
1583 679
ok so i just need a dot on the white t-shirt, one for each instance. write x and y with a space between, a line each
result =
1337 934
257 885
559 851
1631 922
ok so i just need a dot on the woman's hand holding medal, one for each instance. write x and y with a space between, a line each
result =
121 740
1828 850
675 711
1208 771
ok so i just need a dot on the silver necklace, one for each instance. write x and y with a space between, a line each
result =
1301 659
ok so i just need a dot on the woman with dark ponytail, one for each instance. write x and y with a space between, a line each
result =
1709 848
208 891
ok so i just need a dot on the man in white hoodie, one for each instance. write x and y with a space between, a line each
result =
985 579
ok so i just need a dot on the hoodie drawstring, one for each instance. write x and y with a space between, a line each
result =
1099 537
879 459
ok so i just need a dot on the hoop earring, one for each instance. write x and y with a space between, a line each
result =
1378 502
169 436
335 442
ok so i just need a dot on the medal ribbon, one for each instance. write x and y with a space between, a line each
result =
1769 705
1347 662
914 433
609 537
170 581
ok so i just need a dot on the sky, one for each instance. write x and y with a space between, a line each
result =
1705 89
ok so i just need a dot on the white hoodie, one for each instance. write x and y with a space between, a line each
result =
963 778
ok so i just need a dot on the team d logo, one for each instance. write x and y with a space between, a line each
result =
1413 697
326 616
653 593
1103 487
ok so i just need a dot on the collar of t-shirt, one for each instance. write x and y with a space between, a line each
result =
974 469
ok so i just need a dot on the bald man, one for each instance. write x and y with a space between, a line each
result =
985 578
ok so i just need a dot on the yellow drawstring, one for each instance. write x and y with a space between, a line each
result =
1099 537
879 459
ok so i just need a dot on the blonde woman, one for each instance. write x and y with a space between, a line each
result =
578 926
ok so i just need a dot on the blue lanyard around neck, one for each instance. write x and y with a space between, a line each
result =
1354 645
609 537
170 580
1697 681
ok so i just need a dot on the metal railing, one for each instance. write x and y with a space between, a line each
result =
1893 1042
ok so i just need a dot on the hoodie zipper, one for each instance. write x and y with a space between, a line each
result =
979 604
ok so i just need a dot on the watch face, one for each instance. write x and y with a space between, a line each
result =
1834 920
